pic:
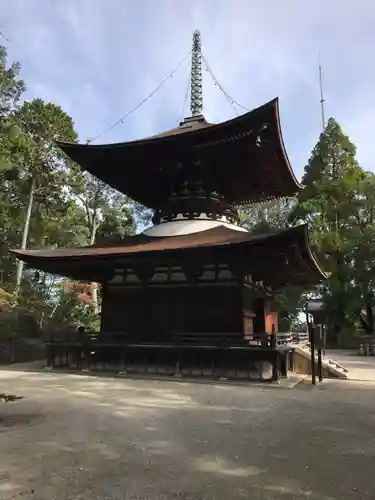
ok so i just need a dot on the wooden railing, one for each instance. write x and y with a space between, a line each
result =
210 354
276 340
283 340
178 358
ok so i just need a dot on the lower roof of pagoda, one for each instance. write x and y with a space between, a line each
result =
277 258
244 159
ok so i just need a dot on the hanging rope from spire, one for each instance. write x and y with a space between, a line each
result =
145 99
216 82
196 95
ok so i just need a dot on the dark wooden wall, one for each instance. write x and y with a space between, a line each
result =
155 313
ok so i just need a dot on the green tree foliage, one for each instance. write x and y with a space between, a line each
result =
70 310
117 222
360 258
6 300
45 201
264 217
338 203
106 213
11 86
11 89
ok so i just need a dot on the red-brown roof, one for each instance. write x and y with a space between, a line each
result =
244 158
185 127
219 235
290 245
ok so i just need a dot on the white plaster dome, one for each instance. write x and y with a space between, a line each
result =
179 227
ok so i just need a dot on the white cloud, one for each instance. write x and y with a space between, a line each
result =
99 59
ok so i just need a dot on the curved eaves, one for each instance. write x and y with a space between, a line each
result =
299 186
310 257
199 132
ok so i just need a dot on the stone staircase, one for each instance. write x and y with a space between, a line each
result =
331 368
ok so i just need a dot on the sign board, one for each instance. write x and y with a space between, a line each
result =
314 305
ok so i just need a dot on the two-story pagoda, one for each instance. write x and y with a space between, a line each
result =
196 276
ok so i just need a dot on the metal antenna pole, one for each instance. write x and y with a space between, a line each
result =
196 96
321 96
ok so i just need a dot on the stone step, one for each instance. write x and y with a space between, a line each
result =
327 362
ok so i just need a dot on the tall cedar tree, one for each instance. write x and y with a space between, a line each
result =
361 257
332 179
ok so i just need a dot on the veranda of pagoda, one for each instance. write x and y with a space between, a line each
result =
189 294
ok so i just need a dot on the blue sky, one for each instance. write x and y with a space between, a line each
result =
98 58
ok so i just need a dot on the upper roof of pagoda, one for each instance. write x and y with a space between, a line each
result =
243 158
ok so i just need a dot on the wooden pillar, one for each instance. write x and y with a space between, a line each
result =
104 305
270 315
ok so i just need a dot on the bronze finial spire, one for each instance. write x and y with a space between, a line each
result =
196 97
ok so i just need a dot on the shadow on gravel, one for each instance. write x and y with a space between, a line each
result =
9 397
15 420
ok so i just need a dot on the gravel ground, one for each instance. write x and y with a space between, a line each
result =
78 437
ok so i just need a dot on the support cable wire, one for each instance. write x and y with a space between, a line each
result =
185 100
3 35
322 100
151 94
228 97
216 82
